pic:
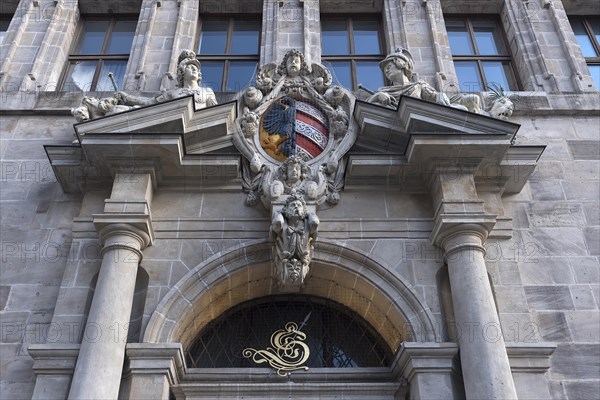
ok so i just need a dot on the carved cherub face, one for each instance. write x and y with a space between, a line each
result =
502 108
294 171
294 63
294 269
106 104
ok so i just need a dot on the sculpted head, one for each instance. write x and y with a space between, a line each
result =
188 69
398 67
502 106
294 170
295 207
293 64
80 113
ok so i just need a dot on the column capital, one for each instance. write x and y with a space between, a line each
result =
53 358
115 229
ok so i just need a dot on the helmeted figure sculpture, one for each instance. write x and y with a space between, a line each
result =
398 67
189 78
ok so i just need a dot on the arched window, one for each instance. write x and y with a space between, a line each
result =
336 336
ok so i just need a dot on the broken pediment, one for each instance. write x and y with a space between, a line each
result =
173 139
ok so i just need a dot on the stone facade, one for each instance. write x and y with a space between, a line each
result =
72 214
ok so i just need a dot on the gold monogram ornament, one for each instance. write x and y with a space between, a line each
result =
288 351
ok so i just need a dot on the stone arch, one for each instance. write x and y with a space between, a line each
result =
338 272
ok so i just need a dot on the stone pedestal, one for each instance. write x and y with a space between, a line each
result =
103 345
431 370
152 369
53 366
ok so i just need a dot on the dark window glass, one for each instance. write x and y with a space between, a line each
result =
213 37
92 37
212 74
587 32
366 37
352 47
245 37
334 37
480 53
341 71
122 37
368 73
103 46
4 23
336 336
228 49
241 75
468 76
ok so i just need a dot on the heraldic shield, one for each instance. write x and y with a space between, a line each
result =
293 130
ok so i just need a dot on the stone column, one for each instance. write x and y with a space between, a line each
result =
100 362
460 229
153 368
124 230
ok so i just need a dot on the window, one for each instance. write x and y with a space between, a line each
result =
587 32
352 48
480 53
4 23
336 336
103 46
228 50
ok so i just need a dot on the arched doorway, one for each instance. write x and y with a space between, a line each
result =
342 279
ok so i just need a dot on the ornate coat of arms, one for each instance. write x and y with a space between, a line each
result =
293 129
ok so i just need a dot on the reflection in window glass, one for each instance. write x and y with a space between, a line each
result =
458 36
341 73
496 72
334 37
366 37
213 37
587 48
80 76
122 37
488 39
245 37
212 74
480 54
369 75
118 70
468 76
92 37
241 75
353 47
4 23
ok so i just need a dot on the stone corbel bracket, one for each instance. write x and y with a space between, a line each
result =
419 138
171 139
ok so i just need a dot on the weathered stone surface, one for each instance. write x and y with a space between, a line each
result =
555 214
585 149
576 361
553 326
549 297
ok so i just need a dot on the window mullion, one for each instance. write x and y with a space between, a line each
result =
482 76
590 33
350 29
472 35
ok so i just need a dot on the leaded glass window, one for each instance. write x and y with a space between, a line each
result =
337 336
